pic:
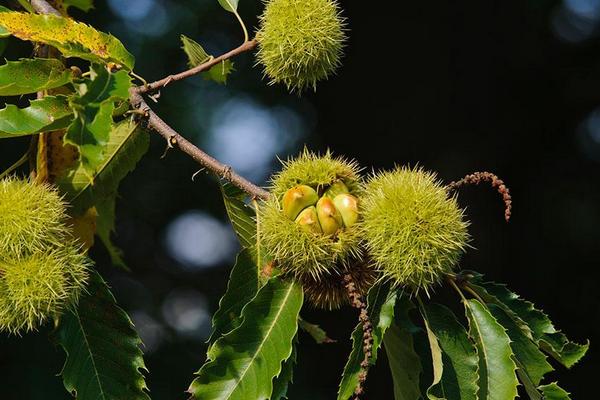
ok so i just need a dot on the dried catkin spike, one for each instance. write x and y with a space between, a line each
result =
300 42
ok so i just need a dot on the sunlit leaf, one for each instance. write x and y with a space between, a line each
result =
72 39
32 75
241 288
104 359
47 114
219 72
380 307
241 215
194 51
497 370
197 56
126 145
94 106
229 5
244 362
405 363
456 355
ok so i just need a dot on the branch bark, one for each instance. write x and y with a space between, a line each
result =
246 46
42 7
174 139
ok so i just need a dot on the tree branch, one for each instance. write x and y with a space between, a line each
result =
176 140
42 7
173 138
246 46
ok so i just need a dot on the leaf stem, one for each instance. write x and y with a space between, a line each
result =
474 293
258 255
237 15
16 165
176 140
453 284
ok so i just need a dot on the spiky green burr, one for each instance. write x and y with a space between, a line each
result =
42 266
414 231
300 41
316 242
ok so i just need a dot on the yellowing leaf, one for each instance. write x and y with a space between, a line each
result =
84 227
73 39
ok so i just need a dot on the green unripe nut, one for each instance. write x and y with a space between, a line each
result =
309 220
347 205
337 188
329 216
297 199
300 249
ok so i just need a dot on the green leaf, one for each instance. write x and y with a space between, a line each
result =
46 114
554 392
26 5
3 44
530 359
84 5
286 377
194 51
562 350
245 361
241 288
229 5
380 307
72 39
89 132
197 56
94 107
105 226
126 145
104 360
219 73
456 355
497 378
32 75
532 321
315 331
405 364
241 215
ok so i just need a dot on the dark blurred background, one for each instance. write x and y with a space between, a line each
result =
510 87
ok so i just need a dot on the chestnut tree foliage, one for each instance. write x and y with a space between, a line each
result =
323 234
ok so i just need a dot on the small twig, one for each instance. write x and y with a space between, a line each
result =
175 139
497 183
358 302
246 46
16 165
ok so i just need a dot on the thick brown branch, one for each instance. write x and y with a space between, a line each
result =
176 140
42 7
246 46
